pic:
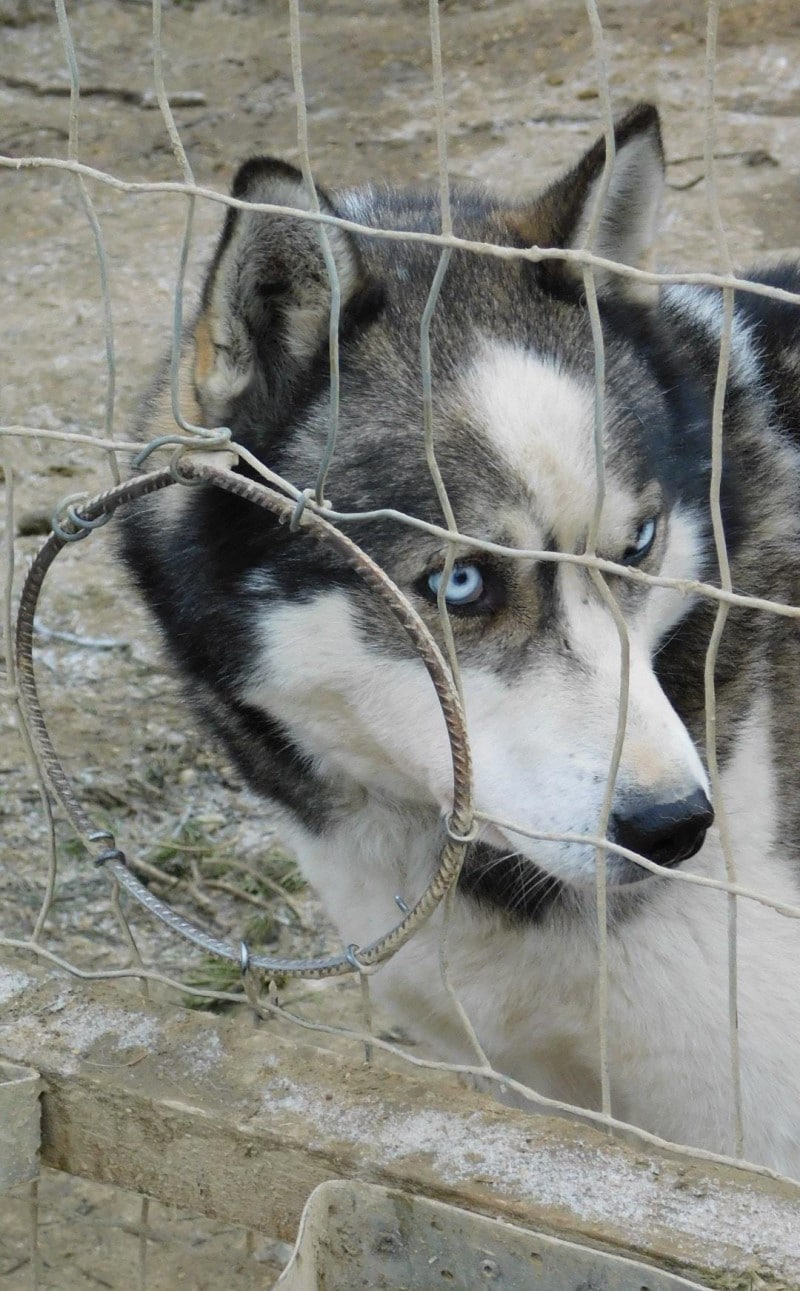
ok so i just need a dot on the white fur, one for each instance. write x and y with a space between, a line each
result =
540 423
531 993
541 745
666 606
539 420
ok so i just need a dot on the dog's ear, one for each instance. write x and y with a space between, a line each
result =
626 229
266 305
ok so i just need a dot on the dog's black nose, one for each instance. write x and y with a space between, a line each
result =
664 832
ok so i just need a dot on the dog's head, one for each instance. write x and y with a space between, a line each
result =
514 368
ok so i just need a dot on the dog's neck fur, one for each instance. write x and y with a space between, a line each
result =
668 972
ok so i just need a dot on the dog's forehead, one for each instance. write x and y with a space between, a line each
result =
538 418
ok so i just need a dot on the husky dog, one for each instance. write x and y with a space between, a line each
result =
321 701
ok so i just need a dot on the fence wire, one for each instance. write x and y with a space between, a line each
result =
309 507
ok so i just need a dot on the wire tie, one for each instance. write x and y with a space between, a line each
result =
402 904
350 956
244 957
160 442
97 836
83 527
64 535
110 854
84 522
469 837
300 506
222 436
174 467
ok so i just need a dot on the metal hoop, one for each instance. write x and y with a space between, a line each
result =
460 820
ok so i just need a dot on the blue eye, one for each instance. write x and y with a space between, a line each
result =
645 537
464 588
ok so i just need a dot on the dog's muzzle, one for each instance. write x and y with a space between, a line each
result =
665 832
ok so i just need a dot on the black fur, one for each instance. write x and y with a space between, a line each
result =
661 370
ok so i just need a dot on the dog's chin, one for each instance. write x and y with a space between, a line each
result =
577 872
627 874
528 885
622 876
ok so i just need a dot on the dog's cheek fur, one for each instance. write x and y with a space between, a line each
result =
360 712
541 744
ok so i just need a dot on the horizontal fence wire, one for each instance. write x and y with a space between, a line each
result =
532 254
316 515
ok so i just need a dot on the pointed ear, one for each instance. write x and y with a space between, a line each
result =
627 226
266 304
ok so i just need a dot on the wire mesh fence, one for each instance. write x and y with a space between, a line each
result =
244 929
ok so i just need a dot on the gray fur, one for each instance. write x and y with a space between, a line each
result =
292 663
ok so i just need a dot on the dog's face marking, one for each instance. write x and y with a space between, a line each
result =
541 741
330 714
514 414
541 672
539 420
348 701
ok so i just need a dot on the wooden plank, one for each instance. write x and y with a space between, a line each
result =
227 1119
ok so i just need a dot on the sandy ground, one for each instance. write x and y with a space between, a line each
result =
521 101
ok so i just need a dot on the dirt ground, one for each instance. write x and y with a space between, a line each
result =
521 102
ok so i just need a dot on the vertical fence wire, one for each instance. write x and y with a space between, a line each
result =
327 252
179 152
590 288
135 956
97 232
471 1034
715 502
144 1216
446 225
12 693
34 1250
